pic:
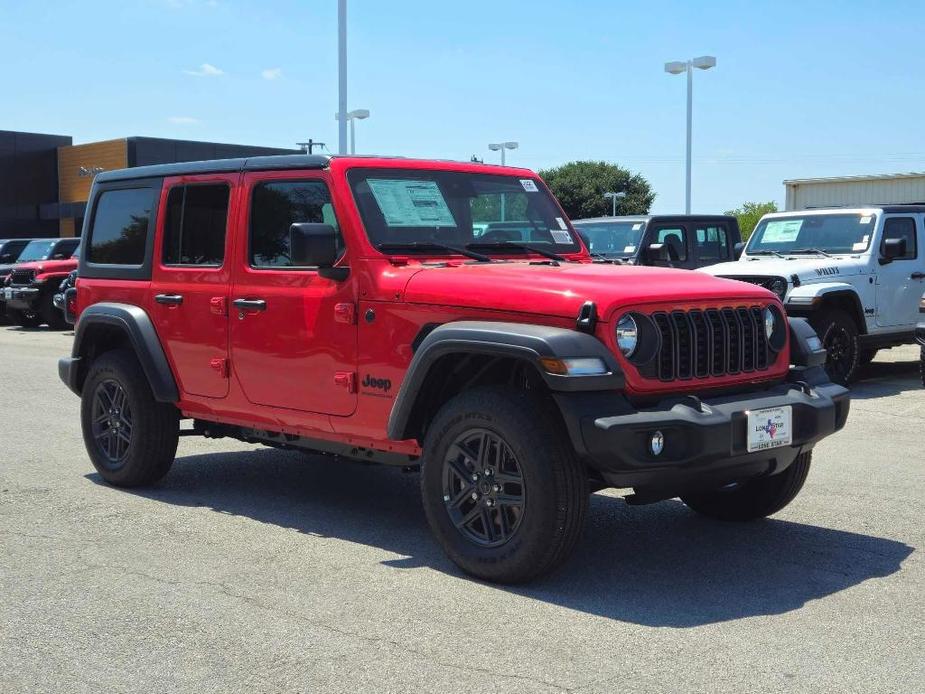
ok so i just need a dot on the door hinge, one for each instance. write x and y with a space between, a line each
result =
345 313
346 379
220 365
218 305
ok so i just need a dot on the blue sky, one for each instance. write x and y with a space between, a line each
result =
801 89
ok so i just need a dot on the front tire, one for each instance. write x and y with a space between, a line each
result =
922 363
24 319
839 335
756 498
502 490
131 438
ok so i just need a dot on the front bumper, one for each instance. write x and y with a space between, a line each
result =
705 441
21 298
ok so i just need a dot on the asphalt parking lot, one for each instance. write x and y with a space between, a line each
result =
255 570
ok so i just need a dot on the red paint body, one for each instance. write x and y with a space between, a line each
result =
49 270
298 367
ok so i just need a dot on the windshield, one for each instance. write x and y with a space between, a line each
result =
36 250
612 239
829 233
402 207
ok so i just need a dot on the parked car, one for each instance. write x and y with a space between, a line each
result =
348 308
683 241
10 250
856 274
30 288
920 337
65 299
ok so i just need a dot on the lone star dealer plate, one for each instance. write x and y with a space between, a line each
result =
771 427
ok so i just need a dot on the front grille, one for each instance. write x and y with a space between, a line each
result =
22 276
710 342
761 280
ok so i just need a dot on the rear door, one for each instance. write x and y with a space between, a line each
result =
712 243
191 277
293 332
901 282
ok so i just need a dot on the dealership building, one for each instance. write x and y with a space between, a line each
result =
45 179
855 191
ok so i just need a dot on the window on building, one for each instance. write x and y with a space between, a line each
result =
275 206
901 228
195 225
120 226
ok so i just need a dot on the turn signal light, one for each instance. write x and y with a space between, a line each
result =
584 366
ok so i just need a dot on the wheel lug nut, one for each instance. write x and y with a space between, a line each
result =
489 502
497 487
475 496
475 478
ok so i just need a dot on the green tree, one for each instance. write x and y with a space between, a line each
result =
580 187
749 214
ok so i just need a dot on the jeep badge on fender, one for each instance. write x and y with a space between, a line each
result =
495 356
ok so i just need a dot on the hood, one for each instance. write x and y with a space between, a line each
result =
561 290
49 267
806 268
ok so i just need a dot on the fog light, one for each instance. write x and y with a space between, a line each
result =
657 443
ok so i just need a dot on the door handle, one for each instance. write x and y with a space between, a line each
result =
917 276
250 304
169 299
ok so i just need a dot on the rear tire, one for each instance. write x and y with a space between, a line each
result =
530 493
131 437
754 499
24 319
839 335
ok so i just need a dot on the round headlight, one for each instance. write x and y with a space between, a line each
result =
627 335
779 287
770 321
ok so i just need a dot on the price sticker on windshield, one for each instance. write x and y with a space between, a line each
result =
559 236
528 185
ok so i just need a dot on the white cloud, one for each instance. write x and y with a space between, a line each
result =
205 70
273 73
183 120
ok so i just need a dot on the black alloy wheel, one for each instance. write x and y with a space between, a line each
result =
112 422
483 488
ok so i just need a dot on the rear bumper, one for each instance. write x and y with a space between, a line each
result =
704 440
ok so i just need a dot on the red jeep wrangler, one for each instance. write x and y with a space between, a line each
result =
30 288
367 309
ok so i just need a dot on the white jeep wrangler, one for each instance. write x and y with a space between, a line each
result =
856 274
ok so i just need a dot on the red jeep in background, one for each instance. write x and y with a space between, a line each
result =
367 308
28 294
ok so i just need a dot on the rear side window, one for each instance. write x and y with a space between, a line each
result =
901 228
194 229
711 243
120 226
274 207
676 239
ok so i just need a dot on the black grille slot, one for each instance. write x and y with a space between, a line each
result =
712 342
22 276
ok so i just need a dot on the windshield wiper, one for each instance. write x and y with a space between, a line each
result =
432 246
516 244
779 255
812 250
601 258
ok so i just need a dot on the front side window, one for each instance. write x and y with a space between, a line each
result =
813 234
36 250
612 239
120 226
404 209
711 243
194 229
275 206
675 239
901 228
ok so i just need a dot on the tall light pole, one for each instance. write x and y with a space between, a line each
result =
614 197
342 76
496 146
352 116
704 62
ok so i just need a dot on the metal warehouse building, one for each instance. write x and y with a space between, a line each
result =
853 191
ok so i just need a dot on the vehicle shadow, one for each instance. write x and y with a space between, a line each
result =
884 378
658 565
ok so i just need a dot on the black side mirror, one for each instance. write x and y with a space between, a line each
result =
315 245
657 252
58 256
892 249
738 249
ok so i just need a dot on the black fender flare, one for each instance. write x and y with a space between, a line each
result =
135 324
527 342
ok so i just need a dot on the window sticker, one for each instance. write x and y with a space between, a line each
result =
560 236
862 244
562 224
637 226
865 219
408 203
629 249
782 231
528 185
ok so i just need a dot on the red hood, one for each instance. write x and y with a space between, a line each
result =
561 290
49 267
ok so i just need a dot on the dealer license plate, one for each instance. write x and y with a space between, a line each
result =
770 428
7 293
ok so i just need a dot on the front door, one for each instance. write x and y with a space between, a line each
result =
293 332
676 239
190 279
901 282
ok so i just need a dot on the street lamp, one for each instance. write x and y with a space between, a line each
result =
494 147
614 197
342 76
704 62
352 117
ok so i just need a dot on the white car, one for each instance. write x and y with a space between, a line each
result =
856 274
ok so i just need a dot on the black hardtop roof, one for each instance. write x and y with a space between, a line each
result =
262 163
659 217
